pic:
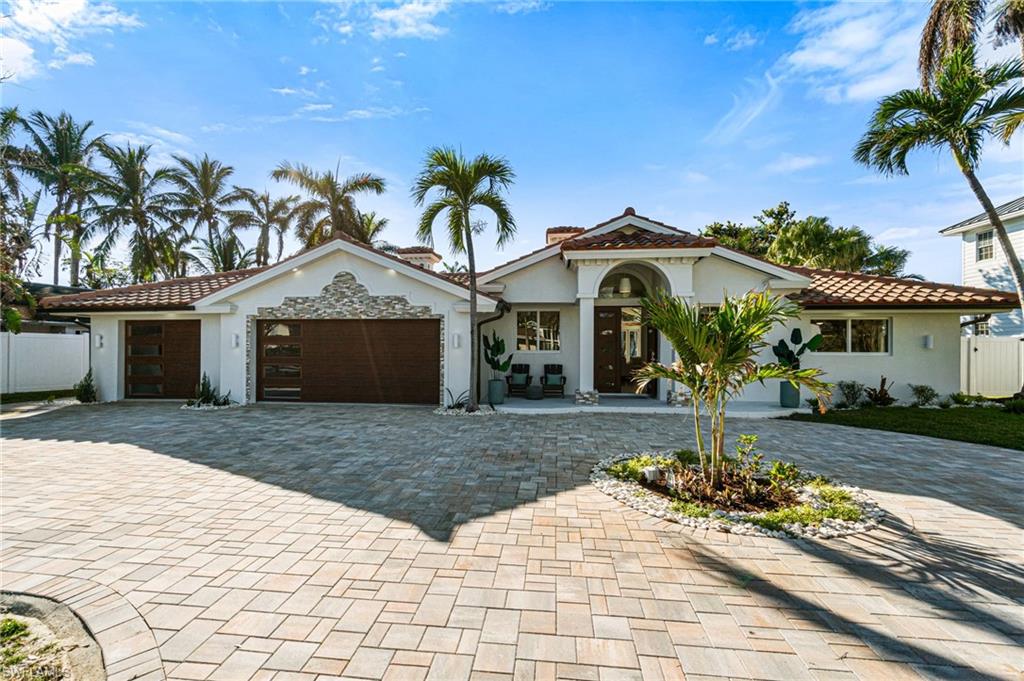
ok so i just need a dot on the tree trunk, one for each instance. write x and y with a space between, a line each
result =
474 341
58 227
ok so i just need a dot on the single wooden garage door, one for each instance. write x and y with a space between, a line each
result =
392 361
161 358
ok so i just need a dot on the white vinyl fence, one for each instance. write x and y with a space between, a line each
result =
992 366
30 362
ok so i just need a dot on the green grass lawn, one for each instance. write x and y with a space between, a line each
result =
12 398
981 425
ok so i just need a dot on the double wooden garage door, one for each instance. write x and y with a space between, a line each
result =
394 361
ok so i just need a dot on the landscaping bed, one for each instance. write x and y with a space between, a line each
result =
753 497
980 425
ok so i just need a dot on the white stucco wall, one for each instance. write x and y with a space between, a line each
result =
567 356
548 281
908 361
713 276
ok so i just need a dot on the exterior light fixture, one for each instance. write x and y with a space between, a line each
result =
929 342
234 340
98 340
456 340
625 286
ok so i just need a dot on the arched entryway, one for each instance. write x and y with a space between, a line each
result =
622 342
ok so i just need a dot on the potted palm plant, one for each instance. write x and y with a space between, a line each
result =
494 348
789 357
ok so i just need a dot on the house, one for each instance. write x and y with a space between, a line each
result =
344 322
983 262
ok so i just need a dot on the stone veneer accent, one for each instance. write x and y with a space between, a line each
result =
588 397
343 298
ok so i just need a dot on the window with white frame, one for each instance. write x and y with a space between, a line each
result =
981 329
538 330
865 336
984 247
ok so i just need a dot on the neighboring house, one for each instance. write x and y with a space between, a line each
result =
984 262
346 323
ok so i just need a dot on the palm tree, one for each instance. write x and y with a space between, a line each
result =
370 227
57 157
330 209
141 200
11 156
462 185
224 253
1009 23
717 352
272 217
814 242
170 250
951 24
968 104
205 198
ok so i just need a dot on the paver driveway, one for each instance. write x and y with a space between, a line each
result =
384 542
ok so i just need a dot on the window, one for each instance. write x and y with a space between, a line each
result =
853 335
143 350
282 371
284 350
538 330
981 329
283 329
146 330
984 248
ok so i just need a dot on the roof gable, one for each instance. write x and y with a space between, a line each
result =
1008 210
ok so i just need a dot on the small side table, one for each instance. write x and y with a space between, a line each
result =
535 392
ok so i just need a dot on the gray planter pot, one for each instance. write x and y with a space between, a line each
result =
496 391
789 396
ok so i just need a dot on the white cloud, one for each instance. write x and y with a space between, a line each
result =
400 55
694 177
412 19
522 6
369 113
711 39
31 25
898 234
758 97
317 107
306 70
742 41
377 69
856 51
162 151
791 163
290 91
164 134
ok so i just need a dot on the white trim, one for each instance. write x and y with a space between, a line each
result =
691 254
309 256
761 266
979 223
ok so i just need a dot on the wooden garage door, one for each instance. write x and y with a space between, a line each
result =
161 358
393 361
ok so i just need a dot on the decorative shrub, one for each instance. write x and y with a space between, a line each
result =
85 390
805 514
880 397
945 403
208 396
1013 406
459 402
852 392
923 394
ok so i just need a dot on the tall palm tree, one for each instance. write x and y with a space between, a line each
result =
11 157
57 158
1009 23
460 186
330 208
968 104
951 24
133 196
272 217
170 250
204 195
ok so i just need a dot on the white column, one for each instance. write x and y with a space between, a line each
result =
586 343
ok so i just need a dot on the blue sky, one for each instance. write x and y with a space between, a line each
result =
690 112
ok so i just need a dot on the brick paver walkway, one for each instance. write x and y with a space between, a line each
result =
317 542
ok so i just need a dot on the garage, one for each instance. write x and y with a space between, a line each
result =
161 358
383 361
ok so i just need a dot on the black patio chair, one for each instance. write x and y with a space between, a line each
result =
553 380
519 379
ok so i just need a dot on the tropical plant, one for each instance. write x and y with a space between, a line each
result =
208 396
951 25
815 242
459 186
852 392
57 157
224 253
755 239
204 197
454 268
85 390
494 348
923 394
371 226
790 356
717 358
968 104
139 199
171 255
880 396
11 157
272 217
330 208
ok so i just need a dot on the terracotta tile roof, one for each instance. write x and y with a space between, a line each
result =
426 250
832 288
171 294
619 240
461 278
1007 208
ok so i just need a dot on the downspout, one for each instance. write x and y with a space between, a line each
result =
503 307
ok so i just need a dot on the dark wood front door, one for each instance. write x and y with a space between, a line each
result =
393 361
162 358
622 345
